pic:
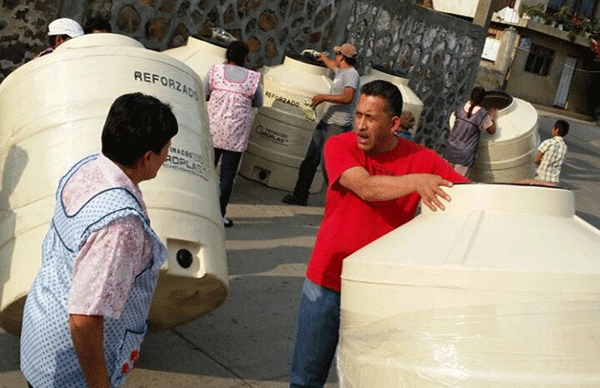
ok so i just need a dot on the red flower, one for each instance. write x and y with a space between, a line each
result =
134 357
125 368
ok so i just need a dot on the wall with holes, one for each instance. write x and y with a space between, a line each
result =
438 53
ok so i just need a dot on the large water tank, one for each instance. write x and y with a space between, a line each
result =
199 54
502 289
53 110
507 156
411 102
281 132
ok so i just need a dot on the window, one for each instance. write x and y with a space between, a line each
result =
579 8
539 60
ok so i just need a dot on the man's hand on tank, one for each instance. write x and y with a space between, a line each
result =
429 188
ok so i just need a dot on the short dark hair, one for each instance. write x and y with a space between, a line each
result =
562 126
237 52
350 60
52 39
388 91
96 24
137 123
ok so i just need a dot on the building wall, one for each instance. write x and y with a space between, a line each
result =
439 53
541 89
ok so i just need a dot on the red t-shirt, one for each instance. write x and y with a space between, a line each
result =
349 222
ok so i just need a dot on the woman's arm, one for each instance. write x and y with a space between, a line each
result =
87 332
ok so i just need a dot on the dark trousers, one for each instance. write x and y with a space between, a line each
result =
308 167
229 166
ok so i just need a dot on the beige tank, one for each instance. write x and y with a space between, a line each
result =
502 289
53 110
411 102
199 54
282 129
508 155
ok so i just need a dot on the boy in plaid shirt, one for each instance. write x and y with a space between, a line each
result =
551 154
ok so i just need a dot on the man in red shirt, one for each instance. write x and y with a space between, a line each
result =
375 183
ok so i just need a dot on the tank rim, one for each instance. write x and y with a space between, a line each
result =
498 94
387 70
304 59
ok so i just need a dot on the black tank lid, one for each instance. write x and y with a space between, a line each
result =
496 99
387 70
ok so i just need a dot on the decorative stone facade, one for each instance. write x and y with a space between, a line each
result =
438 53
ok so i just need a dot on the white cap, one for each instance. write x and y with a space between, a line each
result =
65 26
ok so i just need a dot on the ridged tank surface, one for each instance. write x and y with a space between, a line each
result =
198 54
411 102
281 132
53 110
508 155
502 289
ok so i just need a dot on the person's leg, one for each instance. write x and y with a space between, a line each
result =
331 131
218 153
311 162
229 165
316 336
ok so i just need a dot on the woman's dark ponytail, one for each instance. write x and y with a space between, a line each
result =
477 96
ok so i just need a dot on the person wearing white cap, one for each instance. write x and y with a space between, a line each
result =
338 117
61 30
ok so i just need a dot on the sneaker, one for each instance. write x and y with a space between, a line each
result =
227 222
291 199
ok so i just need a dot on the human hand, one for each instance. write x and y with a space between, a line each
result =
316 100
429 188
493 113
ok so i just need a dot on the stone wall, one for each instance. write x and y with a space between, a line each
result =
439 53
271 28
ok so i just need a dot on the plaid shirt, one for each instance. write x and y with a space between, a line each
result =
554 151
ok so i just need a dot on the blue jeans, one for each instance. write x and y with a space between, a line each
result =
229 165
316 336
308 167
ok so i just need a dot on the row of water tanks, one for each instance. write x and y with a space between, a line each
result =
281 131
53 111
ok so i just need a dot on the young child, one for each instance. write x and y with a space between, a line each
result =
551 154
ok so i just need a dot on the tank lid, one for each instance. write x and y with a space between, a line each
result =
488 237
99 39
496 99
387 70
212 41
306 59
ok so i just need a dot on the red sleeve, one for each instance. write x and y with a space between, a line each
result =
339 156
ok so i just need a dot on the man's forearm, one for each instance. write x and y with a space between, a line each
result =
87 332
373 188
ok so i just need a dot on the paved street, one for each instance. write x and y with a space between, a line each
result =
248 341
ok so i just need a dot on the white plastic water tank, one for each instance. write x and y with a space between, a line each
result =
53 110
507 156
199 54
411 102
281 132
502 289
